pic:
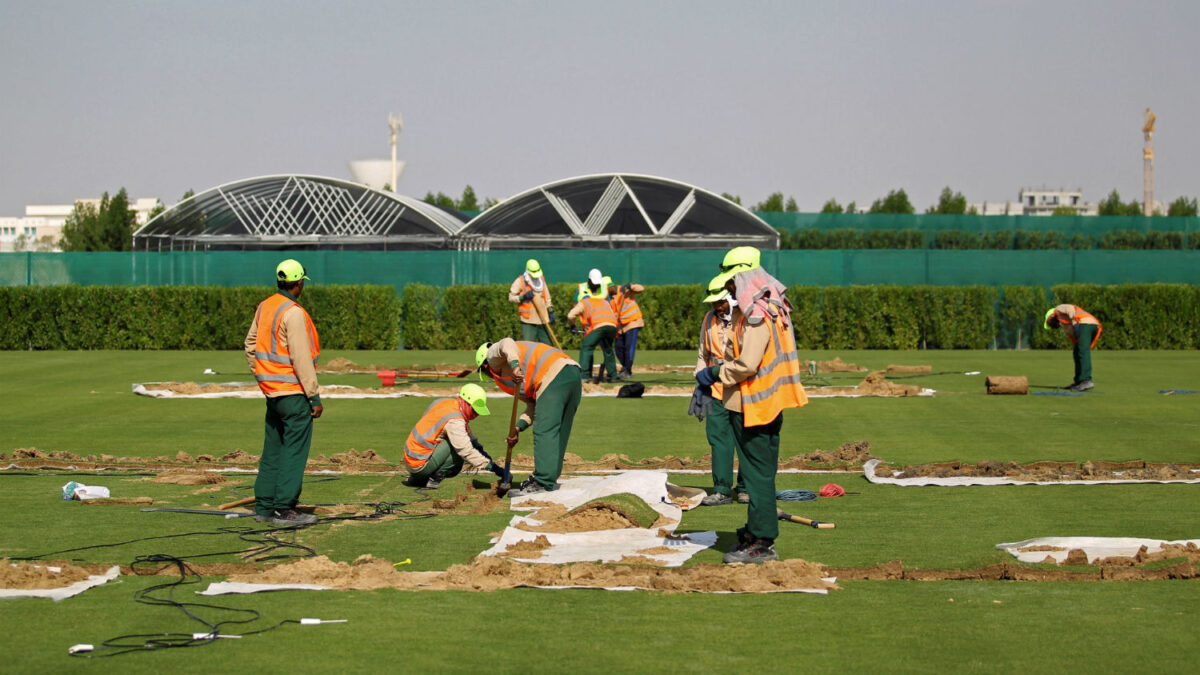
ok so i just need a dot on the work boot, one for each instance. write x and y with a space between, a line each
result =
743 497
529 487
716 499
744 539
624 375
761 551
292 518
1081 386
263 518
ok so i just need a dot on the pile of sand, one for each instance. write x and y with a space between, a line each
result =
187 477
874 384
910 370
25 575
1048 471
527 549
838 366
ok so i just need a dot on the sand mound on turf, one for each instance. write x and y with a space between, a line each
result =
186 477
527 549
29 575
838 366
1048 471
909 370
874 384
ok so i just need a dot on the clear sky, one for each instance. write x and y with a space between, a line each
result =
816 99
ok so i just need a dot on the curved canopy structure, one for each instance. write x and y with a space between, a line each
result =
300 212
616 210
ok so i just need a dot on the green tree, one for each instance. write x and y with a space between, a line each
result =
1112 206
1182 207
440 199
468 201
1064 210
831 206
791 206
896 201
107 228
772 203
949 203
852 207
733 198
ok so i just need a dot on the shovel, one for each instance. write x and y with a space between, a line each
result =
804 521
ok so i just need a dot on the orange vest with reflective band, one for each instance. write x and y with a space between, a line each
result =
424 437
630 312
272 363
596 313
714 343
526 310
536 359
776 385
1081 316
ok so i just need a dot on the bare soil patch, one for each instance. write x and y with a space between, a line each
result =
909 370
26 575
1049 471
837 365
527 549
118 501
895 570
187 477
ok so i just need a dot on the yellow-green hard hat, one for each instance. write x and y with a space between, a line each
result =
474 394
534 268
716 287
290 270
742 256
1046 321
481 356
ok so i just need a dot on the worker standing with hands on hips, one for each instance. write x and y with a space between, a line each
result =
629 320
531 283
599 330
706 404
1084 330
761 365
442 441
548 381
282 349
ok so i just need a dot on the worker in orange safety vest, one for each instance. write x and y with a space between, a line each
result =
1084 330
442 442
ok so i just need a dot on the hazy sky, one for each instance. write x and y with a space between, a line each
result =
815 99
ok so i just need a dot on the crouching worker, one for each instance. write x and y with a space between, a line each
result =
442 441
548 381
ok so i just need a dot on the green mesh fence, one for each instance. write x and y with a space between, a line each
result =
652 267
928 222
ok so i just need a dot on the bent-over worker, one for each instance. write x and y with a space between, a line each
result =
1084 330
442 441
547 380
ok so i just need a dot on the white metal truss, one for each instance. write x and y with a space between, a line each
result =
307 207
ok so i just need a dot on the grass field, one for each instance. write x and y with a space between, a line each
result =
81 402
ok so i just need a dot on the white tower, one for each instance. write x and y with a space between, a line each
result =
395 124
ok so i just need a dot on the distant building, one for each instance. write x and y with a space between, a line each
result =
41 228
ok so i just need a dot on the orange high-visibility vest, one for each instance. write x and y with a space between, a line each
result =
596 313
630 312
1081 316
424 437
272 363
526 310
776 385
713 342
536 359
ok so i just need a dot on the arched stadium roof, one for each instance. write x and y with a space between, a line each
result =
616 210
297 211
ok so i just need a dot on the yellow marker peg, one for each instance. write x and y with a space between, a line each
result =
406 561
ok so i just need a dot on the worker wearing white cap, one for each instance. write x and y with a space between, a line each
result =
532 284
595 286
442 441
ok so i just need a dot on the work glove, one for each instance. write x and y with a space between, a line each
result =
505 476
479 448
527 297
701 403
553 318
707 376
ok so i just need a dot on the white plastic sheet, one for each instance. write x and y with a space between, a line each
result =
57 594
953 481
1094 547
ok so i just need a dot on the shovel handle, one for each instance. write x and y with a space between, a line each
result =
240 502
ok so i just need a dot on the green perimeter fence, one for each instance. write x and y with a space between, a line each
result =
651 267
932 223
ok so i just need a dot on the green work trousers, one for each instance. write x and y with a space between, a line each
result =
289 426
718 426
536 332
552 421
1084 334
758 452
604 337
444 461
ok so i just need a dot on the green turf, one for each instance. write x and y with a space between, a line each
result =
81 402
627 504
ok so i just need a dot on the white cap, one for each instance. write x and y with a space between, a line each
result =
595 277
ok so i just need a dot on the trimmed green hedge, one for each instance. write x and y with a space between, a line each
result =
184 317
1135 316
962 240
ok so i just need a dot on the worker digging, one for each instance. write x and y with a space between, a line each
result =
549 383
599 330
441 442
532 284
1084 330
761 366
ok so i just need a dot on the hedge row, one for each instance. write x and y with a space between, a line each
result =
1135 316
1021 240
184 317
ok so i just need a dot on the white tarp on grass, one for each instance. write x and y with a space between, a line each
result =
1036 550
57 594
952 481
606 545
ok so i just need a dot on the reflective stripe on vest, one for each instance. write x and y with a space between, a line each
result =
273 368
630 312
423 439
776 385
1080 314
525 309
711 342
536 360
596 313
